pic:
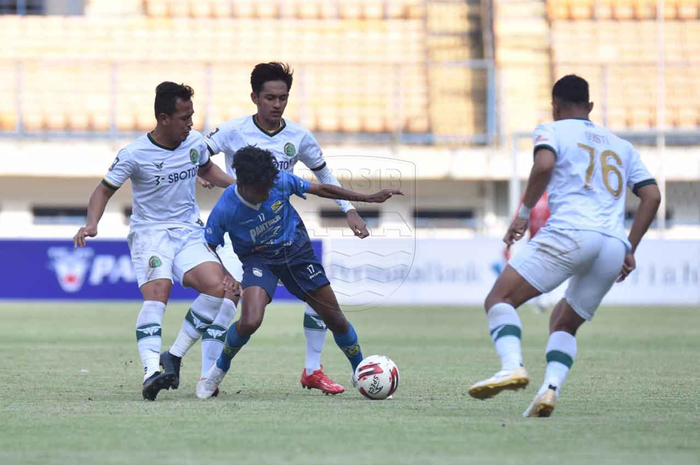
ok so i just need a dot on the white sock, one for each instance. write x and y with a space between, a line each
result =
560 353
197 320
315 332
215 336
148 335
506 330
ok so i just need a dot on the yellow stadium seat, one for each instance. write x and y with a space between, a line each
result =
604 9
645 9
688 9
221 8
581 9
689 117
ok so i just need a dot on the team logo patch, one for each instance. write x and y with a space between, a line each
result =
352 350
257 272
194 156
289 149
154 262
158 165
276 206
114 163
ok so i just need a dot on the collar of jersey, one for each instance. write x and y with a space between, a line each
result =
153 141
283 124
580 119
245 202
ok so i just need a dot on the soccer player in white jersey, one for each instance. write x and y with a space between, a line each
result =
585 168
289 143
166 236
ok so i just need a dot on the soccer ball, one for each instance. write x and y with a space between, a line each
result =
377 377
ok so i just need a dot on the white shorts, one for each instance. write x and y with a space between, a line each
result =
229 258
164 253
592 260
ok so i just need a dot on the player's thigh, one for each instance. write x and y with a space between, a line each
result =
152 254
303 274
547 261
230 260
257 273
192 253
587 289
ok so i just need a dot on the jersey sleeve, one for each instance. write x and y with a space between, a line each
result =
122 168
638 176
216 140
295 185
216 224
544 137
310 153
204 155
223 139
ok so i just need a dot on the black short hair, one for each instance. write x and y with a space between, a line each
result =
167 94
273 71
571 89
255 167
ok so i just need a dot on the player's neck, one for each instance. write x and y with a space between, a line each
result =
159 138
573 114
267 126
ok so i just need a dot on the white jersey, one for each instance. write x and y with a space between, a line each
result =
289 144
593 168
162 181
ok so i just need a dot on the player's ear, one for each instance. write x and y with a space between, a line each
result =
162 119
254 97
590 107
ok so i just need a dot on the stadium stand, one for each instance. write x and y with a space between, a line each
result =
367 65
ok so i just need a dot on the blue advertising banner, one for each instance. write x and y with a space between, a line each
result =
44 269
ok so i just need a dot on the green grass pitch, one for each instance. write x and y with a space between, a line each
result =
70 392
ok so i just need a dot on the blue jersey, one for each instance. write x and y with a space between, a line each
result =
264 229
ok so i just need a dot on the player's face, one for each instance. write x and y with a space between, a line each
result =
271 102
179 124
256 194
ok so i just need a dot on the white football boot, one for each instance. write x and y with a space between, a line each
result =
543 404
209 384
503 380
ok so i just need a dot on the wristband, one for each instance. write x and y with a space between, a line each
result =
524 212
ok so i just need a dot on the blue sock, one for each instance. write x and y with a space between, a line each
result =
349 345
234 343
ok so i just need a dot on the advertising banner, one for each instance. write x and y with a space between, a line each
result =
43 269
462 272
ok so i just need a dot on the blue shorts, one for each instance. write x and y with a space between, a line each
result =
300 272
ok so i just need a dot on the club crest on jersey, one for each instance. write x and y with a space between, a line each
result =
276 206
257 272
154 262
71 266
289 149
194 156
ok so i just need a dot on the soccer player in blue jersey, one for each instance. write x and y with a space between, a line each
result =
272 243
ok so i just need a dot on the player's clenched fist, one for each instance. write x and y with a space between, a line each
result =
85 231
516 231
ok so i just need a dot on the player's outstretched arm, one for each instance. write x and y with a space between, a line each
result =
211 173
650 197
328 191
540 175
96 208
